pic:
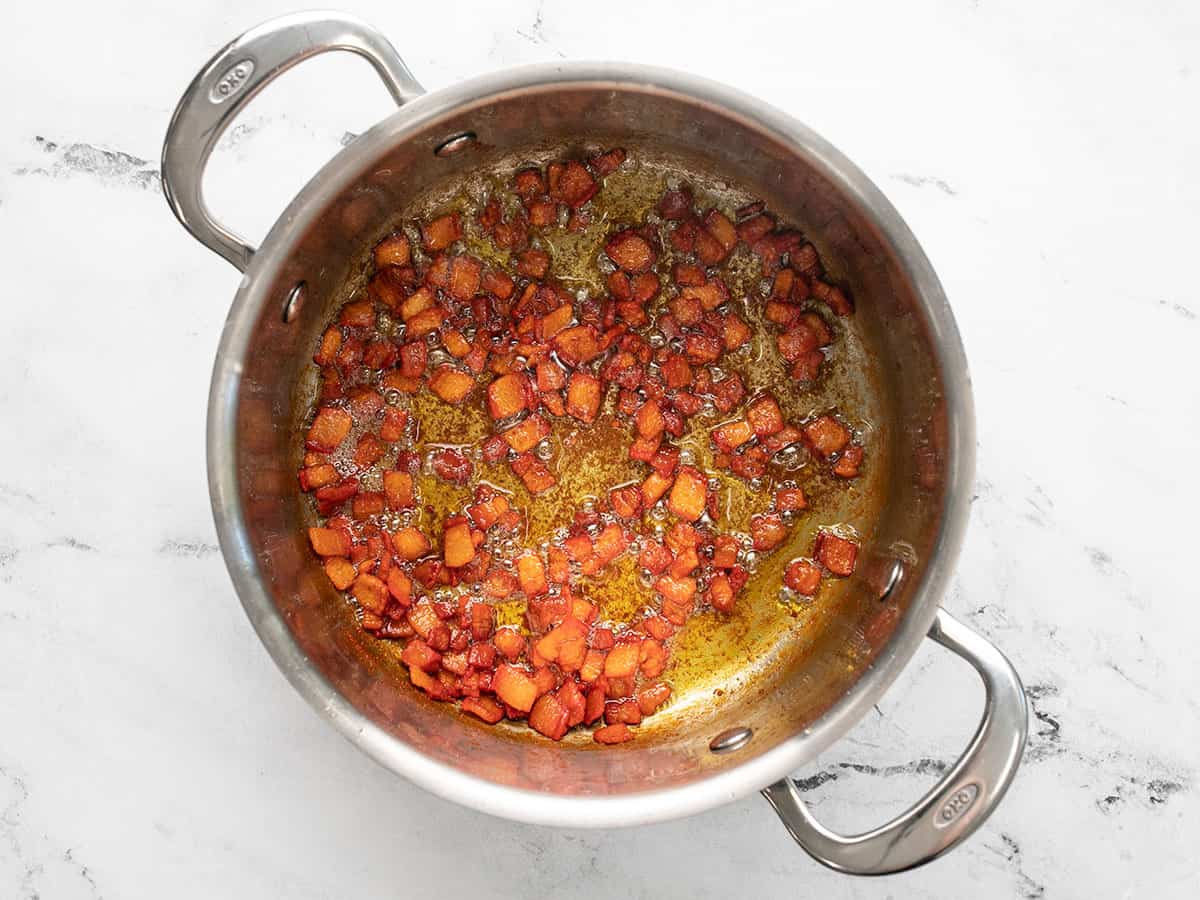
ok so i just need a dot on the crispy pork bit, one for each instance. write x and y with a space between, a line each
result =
549 717
725 552
764 416
573 184
767 531
370 592
654 487
837 554
393 250
340 571
465 275
826 436
808 366
583 397
649 420
394 422
359 314
613 734
833 297
314 477
802 576
413 356
719 226
731 435
796 342
533 473
329 429
458 548
751 230
533 263
851 459
452 465
529 183
369 450
630 252
410 544
515 687
451 384
675 205
331 343
531 574
790 499
710 294
526 435
507 396
441 233
484 708
608 162
578 345
329 541
721 593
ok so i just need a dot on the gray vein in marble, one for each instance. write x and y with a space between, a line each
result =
7 555
1041 504
536 35
10 820
71 544
983 489
12 492
1102 561
241 131
924 180
83 872
110 166
922 766
187 549
1179 309
1125 675
1010 852
1151 793
1046 741
814 781
33 869
1045 737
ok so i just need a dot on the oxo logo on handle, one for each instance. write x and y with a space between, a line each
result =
231 81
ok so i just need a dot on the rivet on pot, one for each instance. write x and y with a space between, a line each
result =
894 576
293 303
454 144
731 739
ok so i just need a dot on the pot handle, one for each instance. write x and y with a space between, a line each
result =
228 82
958 804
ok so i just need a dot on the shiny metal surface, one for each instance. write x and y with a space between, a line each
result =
797 708
294 303
230 80
893 577
731 739
455 144
956 805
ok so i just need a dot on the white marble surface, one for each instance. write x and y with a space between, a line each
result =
1045 155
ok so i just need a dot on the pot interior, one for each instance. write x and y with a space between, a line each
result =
771 670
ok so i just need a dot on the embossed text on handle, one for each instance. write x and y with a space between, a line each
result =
957 805
231 81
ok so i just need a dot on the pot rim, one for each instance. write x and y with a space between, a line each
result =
585 810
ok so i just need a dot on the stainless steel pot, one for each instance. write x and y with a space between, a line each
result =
755 736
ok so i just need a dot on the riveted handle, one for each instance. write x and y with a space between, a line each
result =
958 804
229 81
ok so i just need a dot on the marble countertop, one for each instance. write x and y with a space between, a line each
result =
1045 156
